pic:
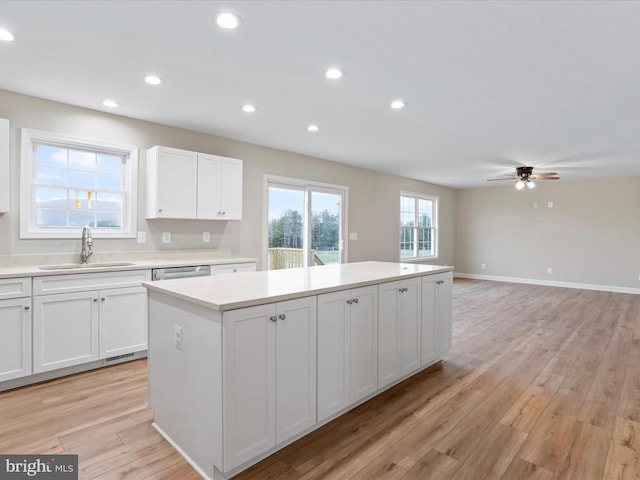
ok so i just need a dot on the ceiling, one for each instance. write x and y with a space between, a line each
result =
488 85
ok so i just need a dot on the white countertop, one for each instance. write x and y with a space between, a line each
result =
31 267
239 290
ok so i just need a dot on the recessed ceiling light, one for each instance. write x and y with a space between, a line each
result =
248 108
6 35
313 128
110 103
334 73
227 20
153 80
397 104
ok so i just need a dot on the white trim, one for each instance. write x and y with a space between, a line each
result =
304 184
181 452
27 209
549 283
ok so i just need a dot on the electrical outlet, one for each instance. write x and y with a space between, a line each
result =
483 266
549 204
549 270
177 340
206 237
353 235
166 237
142 237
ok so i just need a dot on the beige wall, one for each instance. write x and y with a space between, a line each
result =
373 197
590 236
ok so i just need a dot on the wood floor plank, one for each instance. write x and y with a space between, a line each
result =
521 470
623 460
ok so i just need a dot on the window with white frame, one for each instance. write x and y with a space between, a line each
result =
418 226
68 182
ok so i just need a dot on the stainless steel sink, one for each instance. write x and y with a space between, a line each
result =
71 266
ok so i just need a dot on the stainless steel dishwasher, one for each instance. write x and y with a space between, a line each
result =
172 273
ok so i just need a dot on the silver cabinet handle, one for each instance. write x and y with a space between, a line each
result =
282 316
103 299
27 307
355 300
273 318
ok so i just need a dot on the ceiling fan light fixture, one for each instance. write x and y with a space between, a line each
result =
531 184
519 185
227 20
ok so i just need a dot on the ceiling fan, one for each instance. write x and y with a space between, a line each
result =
525 176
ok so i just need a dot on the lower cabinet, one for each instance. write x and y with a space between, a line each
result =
15 338
122 320
73 324
65 330
347 348
269 376
399 327
436 316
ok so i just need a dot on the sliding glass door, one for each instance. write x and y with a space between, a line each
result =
305 224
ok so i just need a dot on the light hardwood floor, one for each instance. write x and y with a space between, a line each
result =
542 383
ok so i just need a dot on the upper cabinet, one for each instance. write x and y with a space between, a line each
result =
185 184
4 166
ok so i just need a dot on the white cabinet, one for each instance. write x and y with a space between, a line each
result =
15 328
65 330
399 327
80 318
347 348
269 376
233 268
436 316
185 184
4 165
122 321
171 183
219 188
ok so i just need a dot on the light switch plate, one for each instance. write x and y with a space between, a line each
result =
206 237
166 237
353 236
142 237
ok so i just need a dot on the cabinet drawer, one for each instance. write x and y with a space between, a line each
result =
233 268
89 281
15 287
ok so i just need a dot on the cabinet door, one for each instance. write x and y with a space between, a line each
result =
123 321
363 342
334 353
295 367
443 315
15 338
65 330
388 330
410 326
399 329
231 188
248 383
172 183
209 187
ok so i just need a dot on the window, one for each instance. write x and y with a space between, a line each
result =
305 223
69 182
418 226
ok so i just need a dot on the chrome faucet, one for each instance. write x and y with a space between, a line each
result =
87 244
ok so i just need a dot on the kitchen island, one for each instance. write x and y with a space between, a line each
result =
242 365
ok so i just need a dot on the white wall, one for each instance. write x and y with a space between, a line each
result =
590 236
373 196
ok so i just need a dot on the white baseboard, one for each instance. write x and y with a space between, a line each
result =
533 281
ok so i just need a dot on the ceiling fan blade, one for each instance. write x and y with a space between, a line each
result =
547 178
545 174
499 179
